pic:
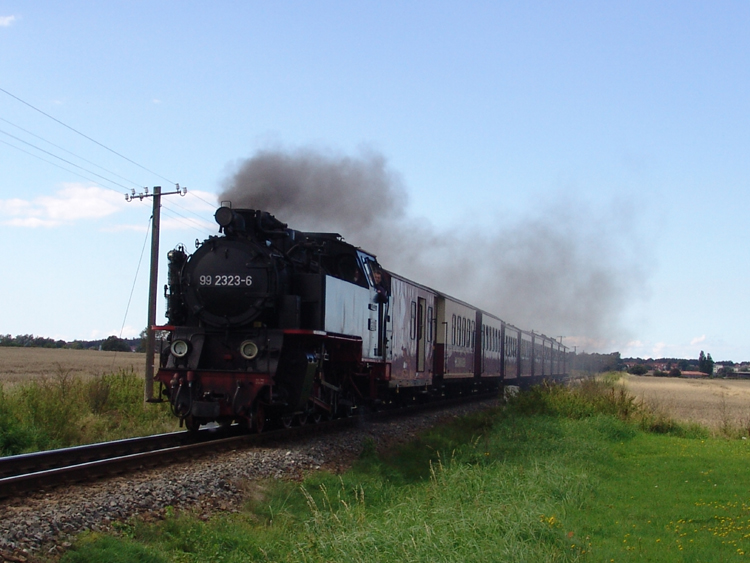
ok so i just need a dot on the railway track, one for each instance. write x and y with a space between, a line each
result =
45 470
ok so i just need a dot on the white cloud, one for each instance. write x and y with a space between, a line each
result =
72 203
124 228
128 331
7 21
200 201
189 223
697 340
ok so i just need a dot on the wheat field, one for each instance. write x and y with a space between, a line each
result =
22 364
712 402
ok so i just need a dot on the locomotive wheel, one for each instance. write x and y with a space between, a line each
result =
287 420
315 417
192 424
302 419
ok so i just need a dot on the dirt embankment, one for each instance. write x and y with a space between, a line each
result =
713 402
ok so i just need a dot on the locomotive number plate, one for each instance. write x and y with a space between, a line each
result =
226 280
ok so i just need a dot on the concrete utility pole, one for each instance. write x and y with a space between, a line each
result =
148 390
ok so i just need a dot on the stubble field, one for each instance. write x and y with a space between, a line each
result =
715 403
22 364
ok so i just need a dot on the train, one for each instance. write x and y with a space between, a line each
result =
270 325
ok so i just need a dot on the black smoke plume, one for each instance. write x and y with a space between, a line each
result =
561 271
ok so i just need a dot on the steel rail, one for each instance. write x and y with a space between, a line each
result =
53 459
45 470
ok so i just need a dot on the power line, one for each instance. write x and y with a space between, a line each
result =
85 136
64 160
67 151
203 200
60 167
132 289
188 222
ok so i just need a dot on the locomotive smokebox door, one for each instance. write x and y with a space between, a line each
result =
228 283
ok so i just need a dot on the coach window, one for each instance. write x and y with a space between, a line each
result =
413 321
453 330
430 322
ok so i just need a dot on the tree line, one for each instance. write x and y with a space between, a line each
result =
111 343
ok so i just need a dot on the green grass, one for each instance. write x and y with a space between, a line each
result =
66 410
548 478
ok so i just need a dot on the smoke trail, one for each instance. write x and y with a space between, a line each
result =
314 191
560 271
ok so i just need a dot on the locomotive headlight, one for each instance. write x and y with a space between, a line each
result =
179 348
224 216
248 349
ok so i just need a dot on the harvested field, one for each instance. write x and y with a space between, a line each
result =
22 364
716 403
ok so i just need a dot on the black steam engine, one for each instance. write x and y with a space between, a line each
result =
269 323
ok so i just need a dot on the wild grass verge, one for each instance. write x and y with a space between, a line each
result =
65 410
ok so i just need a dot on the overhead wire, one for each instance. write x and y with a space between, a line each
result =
132 289
69 152
85 136
66 161
60 167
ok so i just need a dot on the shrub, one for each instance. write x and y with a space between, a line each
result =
14 438
585 398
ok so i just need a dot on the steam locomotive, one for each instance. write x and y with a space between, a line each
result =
267 323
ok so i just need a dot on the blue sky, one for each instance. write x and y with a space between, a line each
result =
634 113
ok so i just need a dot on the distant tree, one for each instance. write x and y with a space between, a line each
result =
114 344
675 372
141 347
705 363
684 365
638 369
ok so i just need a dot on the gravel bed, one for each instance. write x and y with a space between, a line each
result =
40 525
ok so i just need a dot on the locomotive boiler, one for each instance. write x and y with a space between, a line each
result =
270 323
